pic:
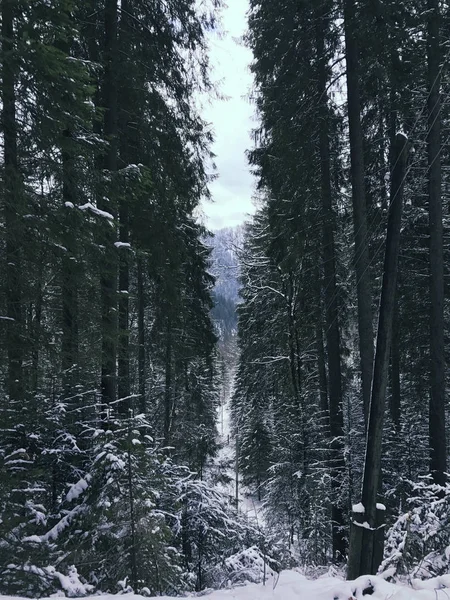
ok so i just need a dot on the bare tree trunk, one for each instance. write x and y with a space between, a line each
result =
362 263
323 384
168 392
127 155
438 454
133 541
123 350
395 403
141 335
36 330
108 280
69 286
13 211
364 552
332 309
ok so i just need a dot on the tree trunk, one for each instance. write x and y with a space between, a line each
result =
69 277
365 563
395 404
395 371
168 385
323 383
133 542
362 263
36 319
332 309
13 212
128 155
141 336
108 280
321 364
123 354
438 462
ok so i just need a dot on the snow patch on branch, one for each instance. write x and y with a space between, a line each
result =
55 531
96 211
78 488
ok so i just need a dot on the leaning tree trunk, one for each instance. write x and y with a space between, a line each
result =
362 263
332 309
365 555
438 455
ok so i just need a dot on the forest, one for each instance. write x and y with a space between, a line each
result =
129 333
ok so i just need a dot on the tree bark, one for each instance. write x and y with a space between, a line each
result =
123 350
362 263
127 156
438 455
168 385
35 322
108 280
141 336
395 404
13 211
323 383
133 541
365 564
69 277
332 308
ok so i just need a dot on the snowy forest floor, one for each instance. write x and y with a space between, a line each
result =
291 585
226 462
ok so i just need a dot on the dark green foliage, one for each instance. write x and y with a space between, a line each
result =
110 350
286 398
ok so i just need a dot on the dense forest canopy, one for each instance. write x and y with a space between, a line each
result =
128 331
340 396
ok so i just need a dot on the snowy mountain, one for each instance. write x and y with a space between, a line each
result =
226 244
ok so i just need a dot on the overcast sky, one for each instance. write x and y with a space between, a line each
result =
232 123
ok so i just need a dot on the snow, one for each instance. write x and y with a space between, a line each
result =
365 525
96 211
360 509
77 489
226 459
57 529
291 585
70 583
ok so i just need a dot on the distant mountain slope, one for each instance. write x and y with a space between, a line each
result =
225 245
225 265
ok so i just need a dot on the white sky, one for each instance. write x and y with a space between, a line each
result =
232 122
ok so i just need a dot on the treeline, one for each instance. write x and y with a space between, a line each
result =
336 82
107 351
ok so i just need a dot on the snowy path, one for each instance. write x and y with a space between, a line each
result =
248 505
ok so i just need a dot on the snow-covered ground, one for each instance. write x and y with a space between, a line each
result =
248 505
290 585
